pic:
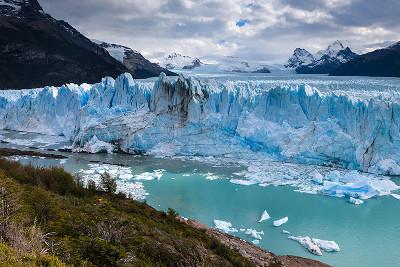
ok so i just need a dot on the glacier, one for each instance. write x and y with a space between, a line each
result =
350 124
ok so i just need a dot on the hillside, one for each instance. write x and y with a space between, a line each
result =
48 218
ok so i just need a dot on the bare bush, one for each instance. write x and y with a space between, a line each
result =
108 183
109 230
8 207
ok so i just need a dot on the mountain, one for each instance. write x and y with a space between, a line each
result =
133 60
382 62
300 57
178 61
323 62
38 50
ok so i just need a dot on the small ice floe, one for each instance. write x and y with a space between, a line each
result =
186 175
285 232
396 196
224 226
264 216
315 245
148 176
355 201
63 161
326 245
317 177
256 242
279 222
242 229
306 242
210 176
253 233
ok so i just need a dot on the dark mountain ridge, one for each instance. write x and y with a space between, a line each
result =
37 50
379 63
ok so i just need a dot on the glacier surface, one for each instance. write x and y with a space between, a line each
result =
350 124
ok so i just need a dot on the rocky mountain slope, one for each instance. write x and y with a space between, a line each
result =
38 50
133 60
382 63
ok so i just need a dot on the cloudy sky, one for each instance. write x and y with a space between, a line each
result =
262 30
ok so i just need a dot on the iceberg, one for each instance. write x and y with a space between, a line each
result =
308 244
355 201
148 176
253 233
224 226
280 222
315 245
396 196
326 245
264 216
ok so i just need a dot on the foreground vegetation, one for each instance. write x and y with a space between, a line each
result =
49 218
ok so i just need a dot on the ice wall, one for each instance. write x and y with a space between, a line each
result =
220 118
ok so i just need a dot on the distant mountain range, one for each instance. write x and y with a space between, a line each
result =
38 50
176 61
382 63
323 62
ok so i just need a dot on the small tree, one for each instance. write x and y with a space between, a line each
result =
8 207
108 183
91 186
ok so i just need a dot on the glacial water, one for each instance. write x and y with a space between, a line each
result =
368 235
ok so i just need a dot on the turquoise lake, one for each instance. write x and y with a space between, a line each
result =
368 235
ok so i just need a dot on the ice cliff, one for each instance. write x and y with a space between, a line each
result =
286 121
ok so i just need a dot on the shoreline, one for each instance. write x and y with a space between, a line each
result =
256 255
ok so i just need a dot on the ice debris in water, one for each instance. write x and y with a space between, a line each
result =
123 175
224 226
279 222
256 242
285 232
264 216
315 245
308 244
148 176
355 201
254 233
396 196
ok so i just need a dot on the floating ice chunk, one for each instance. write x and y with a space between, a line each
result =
253 233
224 226
256 242
211 176
355 201
285 232
148 176
278 223
326 245
396 196
264 216
63 161
317 177
96 146
307 242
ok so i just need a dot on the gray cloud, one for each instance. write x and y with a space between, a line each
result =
197 27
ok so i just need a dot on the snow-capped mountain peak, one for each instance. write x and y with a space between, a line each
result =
300 57
20 8
332 50
179 61
325 61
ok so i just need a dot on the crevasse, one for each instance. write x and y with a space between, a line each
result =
231 119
